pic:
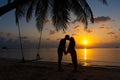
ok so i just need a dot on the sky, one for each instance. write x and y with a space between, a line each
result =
105 32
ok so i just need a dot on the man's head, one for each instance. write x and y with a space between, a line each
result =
67 37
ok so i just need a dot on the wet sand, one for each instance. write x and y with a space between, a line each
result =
43 70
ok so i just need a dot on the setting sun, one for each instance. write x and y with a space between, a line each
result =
85 42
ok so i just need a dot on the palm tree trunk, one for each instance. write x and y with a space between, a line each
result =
6 8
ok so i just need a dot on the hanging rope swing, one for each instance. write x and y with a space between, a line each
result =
39 43
19 33
21 46
20 39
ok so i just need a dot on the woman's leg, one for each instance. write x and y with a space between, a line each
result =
74 60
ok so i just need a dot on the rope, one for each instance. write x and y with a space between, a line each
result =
21 47
38 56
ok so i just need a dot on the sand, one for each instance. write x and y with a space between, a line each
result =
43 70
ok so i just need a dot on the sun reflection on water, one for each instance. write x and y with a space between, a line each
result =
85 54
85 57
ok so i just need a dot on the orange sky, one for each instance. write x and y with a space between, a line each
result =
105 32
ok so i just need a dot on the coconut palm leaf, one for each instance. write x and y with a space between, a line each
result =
87 10
79 12
104 2
60 14
30 10
60 11
9 1
41 13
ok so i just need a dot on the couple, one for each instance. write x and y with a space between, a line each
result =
70 49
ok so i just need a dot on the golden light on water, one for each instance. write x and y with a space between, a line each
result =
85 57
85 54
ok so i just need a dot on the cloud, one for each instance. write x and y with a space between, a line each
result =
10 34
48 39
58 39
11 42
78 27
0 18
105 28
64 32
116 37
2 39
47 21
6 42
75 35
1 33
113 35
73 22
52 32
15 43
89 30
6 34
24 37
110 33
102 19
119 29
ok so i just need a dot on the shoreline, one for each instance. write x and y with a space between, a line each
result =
44 70
40 60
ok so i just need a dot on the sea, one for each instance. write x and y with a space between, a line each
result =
86 57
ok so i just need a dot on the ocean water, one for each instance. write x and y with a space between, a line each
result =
86 57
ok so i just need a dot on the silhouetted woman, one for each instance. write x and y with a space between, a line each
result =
72 51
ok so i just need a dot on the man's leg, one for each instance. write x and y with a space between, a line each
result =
60 54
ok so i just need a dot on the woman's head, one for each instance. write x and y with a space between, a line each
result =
71 39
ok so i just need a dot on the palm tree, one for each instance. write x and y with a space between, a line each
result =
59 10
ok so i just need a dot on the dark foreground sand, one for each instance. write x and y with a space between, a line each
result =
41 70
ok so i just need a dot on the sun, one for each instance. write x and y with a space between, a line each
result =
85 42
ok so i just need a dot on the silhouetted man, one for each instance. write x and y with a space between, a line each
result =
61 50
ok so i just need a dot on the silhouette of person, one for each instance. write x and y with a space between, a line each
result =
72 51
61 50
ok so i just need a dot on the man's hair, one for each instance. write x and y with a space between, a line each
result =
67 36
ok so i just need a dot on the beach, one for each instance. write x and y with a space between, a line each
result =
44 70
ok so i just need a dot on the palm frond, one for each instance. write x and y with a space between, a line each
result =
104 2
9 1
79 12
60 14
30 10
21 11
16 18
41 13
38 7
87 10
